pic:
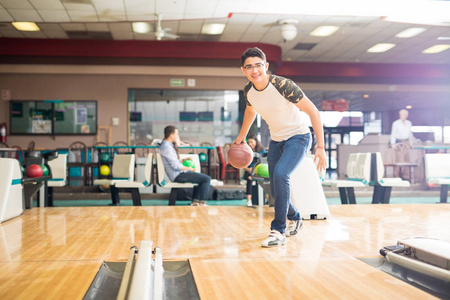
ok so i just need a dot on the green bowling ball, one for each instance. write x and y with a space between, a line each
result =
44 170
189 163
203 157
104 157
262 170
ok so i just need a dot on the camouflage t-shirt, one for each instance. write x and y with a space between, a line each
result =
276 105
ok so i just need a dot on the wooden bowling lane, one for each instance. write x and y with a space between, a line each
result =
57 251
46 279
289 278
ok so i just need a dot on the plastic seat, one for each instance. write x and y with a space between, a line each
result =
11 189
383 186
134 186
358 175
164 181
437 171
122 170
58 168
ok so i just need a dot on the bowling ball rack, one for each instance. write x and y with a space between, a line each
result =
32 185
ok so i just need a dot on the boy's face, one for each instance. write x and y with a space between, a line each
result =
255 69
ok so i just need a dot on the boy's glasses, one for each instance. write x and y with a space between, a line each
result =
249 68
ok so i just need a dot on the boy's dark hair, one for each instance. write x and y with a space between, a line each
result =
252 52
168 130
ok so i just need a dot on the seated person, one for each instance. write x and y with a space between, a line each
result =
257 147
179 173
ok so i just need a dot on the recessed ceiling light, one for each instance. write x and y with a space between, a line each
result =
366 96
408 106
410 32
324 30
436 49
382 47
141 27
26 26
213 28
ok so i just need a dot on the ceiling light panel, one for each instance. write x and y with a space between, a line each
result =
324 30
410 32
141 27
213 28
380 48
26 26
436 49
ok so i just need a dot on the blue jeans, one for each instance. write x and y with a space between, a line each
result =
201 191
283 158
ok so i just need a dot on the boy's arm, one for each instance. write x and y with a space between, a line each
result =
311 110
249 117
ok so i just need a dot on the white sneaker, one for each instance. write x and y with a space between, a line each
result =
275 239
249 203
293 227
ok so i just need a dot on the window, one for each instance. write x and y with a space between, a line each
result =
53 117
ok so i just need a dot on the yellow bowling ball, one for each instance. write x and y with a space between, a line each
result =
104 170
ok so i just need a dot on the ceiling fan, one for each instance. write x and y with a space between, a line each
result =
161 33
288 28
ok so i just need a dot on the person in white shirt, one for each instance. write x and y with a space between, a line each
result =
401 142
401 129
280 101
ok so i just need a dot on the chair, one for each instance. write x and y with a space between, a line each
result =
401 160
382 186
214 161
58 168
93 163
19 154
141 152
122 170
77 158
437 171
226 168
30 147
163 181
358 175
134 186
11 189
122 150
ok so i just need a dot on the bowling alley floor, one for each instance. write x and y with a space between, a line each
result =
55 253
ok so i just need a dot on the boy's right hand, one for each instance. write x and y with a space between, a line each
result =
239 140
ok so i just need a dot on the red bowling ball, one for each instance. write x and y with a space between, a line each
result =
34 171
240 156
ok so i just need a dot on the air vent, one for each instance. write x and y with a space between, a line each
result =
89 35
356 25
304 46
187 37
209 38
199 37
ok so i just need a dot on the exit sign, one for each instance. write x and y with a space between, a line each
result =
176 82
